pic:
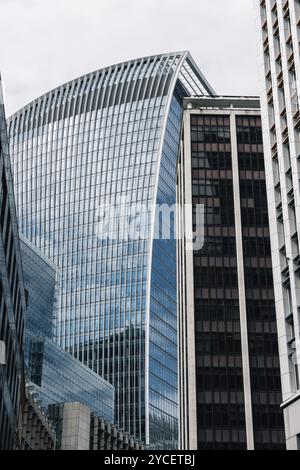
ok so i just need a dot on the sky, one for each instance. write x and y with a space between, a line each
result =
45 43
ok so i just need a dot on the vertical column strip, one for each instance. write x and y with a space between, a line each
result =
241 284
190 349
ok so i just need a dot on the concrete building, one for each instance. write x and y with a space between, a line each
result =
278 40
12 300
79 429
230 391
36 432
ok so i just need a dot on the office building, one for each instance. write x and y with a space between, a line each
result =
278 39
53 375
12 300
111 138
230 391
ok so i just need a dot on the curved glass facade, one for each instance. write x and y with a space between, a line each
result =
112 135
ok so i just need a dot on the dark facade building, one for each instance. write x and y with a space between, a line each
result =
111 138
12 300
230 389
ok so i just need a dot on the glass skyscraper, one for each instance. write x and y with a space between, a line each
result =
54 375
112 135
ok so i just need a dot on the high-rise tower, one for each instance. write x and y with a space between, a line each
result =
111 137
230 391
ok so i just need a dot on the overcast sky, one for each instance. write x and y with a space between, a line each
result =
44 43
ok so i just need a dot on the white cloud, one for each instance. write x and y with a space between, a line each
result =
46 43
